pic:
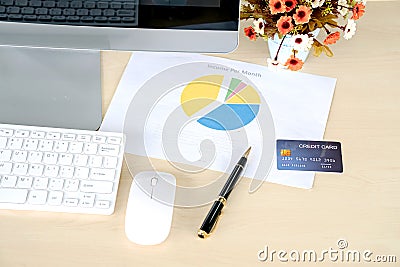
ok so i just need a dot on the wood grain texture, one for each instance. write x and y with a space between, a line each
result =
362 205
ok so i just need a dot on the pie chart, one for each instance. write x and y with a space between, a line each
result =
241 102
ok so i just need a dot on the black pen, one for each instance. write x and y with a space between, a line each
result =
219 204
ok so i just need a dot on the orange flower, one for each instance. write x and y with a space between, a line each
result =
358 11
294 63
276 6
251 33
284 24
332 38
290 4
303 14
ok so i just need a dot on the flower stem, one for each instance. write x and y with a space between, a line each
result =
279 48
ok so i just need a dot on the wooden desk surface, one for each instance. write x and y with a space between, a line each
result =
362 205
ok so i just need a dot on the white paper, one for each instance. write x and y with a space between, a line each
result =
299 104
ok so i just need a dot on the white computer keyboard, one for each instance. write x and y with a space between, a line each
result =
60 170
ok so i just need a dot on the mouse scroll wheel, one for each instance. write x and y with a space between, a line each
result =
154 181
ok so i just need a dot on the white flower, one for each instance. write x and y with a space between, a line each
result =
301 42
317 3
342 7
364 2
274 65
350 29
259 26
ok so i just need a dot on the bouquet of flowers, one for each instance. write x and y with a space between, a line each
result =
299 18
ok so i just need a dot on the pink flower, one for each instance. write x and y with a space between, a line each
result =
290 4
332 38
358 11
284 24
251 33
294 63
276 6
303 14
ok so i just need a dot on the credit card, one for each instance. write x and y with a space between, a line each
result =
303 155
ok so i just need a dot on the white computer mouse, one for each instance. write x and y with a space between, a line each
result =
150 207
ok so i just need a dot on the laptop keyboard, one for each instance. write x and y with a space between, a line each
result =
101 13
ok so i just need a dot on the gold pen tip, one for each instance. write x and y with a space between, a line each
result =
246 154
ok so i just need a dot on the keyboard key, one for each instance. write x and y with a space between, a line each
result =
23 133
102 5
35 3
19 156
49 3
87 200
89 4
62 4
37 197
108 150
125 13
41 11
5 154
102 174
20 168
65 159
3 142
82 12
104 187
36 169
6 132
5 167
13 195
60 146
68 137
95 12
36 134
66 171
7 2
50 158
15 143
99 139
95 161
90 149
24 182
71 202
76 4
51 171
46 145
81 160
40 183
102 204
30 17
9 181
114 140
35 156
81 173
76 147
30 144
71 185
55 198
110 162
21 2
56 184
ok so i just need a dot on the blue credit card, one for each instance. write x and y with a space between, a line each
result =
300 155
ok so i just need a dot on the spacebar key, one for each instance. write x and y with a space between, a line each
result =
11 195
